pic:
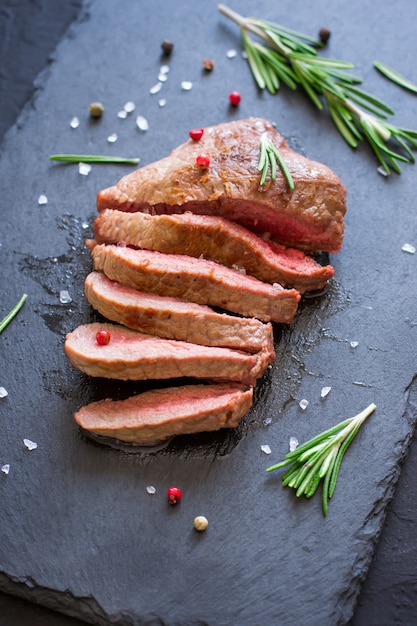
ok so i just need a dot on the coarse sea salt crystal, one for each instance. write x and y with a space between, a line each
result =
31 445
64 296
3 392
162 77
112 138
142 122
266 449
231 54
84 169
5 468
156 88
42 199
293 443
381 170
303 404
122 115
325 391
151 489
407 247
354 344
162 102
164 69
75 122
129 107
186 85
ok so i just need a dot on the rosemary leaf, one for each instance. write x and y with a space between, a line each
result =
15 310
92 158
395 77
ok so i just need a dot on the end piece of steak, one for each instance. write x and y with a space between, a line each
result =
311 217
158 414
175 319
197 280
215 238
131 355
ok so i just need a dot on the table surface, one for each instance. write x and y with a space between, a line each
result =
390 589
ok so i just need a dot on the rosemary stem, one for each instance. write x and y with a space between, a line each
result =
15 310
243 22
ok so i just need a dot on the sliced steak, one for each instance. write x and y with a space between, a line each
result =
215 238
311 217
158 414
196 280
131 355
175 319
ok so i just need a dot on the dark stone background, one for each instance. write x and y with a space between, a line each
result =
29 32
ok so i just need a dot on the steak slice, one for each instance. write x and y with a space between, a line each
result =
175 319
158 414
197 280
214 238
311 217
131 355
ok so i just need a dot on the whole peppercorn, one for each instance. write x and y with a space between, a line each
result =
208 64
235 98
196 133
96 109
203 161
200 523
174 495
167 46
103 337
324 34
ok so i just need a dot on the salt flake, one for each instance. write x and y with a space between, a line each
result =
156 88
186 85
5 468
129 107
31 445
75 122
303 404
162 102
151 489
84 169
42 199
64 297
231 54
325 392
142 122
266 449
112 138
293 443
3 392
407 247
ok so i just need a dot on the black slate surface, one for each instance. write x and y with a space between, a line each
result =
306 339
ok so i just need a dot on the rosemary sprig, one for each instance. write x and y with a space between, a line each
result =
395 77
92 158
268 160
280 55
320 458
15 310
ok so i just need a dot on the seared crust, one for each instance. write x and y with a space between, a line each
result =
309 218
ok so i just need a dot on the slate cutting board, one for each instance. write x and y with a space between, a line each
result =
80 532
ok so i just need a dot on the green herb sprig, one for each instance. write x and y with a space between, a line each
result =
15 310
92 158
269 158
281 55
320 459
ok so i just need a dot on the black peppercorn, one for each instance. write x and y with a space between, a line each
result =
324 34
167 46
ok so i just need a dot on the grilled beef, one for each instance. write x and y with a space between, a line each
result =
196 280
131 355
214 238
311 217
175 319
158 414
